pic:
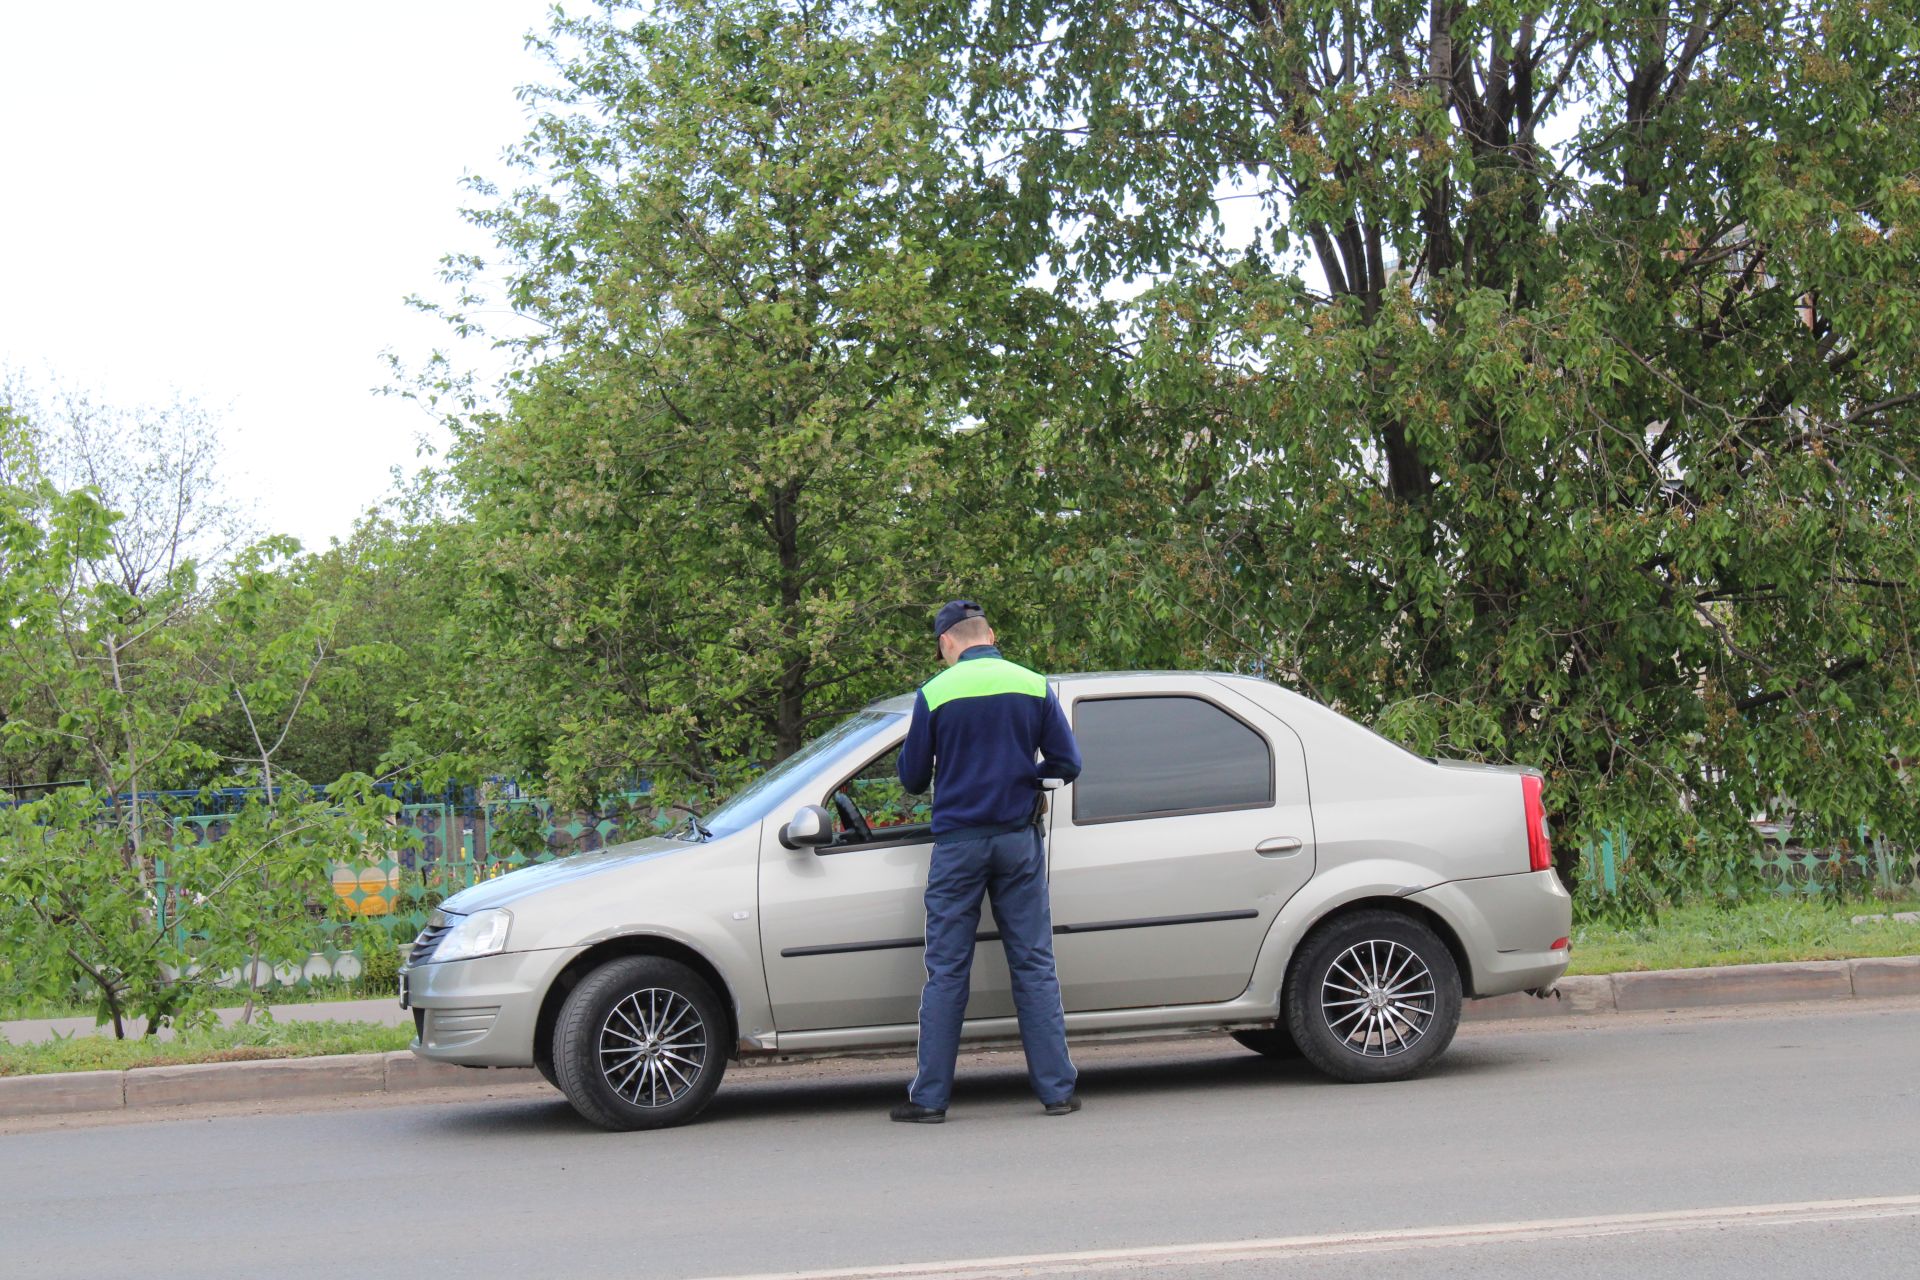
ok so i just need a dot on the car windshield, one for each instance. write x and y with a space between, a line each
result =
750 805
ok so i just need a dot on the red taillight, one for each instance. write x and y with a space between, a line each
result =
1539 854
1559 944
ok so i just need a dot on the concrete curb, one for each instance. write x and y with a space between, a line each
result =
348 1074
1736 984
258 1081
1886 976
67 1091
263 1080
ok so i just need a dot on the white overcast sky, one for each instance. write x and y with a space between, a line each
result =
230 202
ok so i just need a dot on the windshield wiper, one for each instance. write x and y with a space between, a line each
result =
694 825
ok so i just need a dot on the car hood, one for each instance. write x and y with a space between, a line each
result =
504 891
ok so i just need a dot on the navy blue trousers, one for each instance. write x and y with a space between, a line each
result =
1012 870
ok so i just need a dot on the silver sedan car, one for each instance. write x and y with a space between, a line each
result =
1233 858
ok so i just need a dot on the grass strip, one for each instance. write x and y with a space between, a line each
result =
1759 931
224 1044
306 991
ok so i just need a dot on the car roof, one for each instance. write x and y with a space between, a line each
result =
903 702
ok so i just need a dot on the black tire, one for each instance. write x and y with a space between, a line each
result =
640 1044
544 1065
1355 1002
1270 1042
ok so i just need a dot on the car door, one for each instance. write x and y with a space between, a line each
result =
843 926
1187 830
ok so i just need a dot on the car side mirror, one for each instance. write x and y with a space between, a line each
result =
810 826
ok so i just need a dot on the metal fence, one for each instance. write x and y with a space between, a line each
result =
1871 862
383 893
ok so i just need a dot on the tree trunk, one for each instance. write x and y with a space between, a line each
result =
135 831
791 684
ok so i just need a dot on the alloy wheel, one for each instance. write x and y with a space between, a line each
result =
1378 998
653 1045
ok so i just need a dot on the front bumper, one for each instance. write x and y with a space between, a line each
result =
1508 925
482 1012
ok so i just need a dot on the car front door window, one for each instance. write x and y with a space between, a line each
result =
872 808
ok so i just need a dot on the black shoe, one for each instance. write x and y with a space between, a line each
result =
914 1113
1065 1107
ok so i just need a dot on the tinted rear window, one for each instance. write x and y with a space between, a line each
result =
1164 755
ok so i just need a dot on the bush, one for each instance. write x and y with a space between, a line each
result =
379 964
151 929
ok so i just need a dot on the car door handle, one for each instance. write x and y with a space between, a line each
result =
1278 847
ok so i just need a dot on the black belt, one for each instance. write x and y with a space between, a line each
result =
986 832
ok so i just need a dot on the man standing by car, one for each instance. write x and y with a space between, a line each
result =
982 722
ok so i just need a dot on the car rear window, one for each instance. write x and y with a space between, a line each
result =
1145 757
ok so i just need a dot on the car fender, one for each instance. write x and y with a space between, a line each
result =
734 954
1327 893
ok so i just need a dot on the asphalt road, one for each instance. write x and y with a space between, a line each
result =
1781 1142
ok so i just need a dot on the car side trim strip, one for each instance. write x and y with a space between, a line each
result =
844 948
1091 926
1155 922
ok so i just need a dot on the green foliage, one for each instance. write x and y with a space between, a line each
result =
718 504
152 940
376 613
111 649
1557 399
379 964
1547 391
1758 931
515 832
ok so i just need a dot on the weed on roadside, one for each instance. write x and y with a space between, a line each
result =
224 1044
1757 931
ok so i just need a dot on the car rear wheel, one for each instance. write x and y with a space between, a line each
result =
1374 996
640 1044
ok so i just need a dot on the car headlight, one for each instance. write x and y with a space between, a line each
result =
481 934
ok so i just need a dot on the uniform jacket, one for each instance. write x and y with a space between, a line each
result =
981 722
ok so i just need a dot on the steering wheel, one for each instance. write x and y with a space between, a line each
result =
850 814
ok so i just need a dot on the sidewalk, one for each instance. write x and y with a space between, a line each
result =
386 1012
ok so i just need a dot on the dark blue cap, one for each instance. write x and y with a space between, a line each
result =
955 611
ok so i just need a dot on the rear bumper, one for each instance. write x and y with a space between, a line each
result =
1508 925
482 1012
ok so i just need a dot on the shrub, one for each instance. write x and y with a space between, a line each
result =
379 964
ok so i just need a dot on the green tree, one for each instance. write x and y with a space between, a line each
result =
27 764
111 648
389 651
1547 390
95 650
718 501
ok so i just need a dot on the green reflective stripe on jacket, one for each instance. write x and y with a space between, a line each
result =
981 678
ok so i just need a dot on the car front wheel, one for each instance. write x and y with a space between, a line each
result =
1374 996
544 1065
640 1044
